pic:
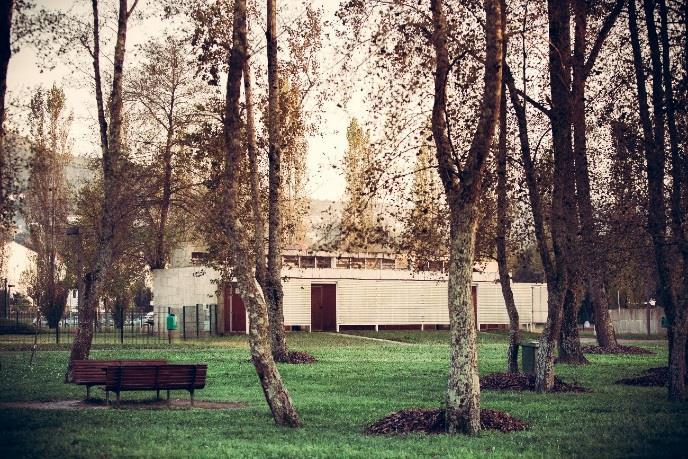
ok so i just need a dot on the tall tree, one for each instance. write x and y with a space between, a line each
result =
113 171
653 128
582 66
563 209
6 175
359 229
239 260
273 280
462 187
46 203
425 226
503 222
163 94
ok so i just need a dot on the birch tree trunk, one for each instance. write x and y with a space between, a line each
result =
6 206
503 224
462 187
563 201
110 136
604 329
241 260
273 281
258 218
653 142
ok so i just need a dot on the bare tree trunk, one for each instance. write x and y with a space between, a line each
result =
592 264
462 190
563 201
678 367
258 218
463 391
653 140
6 206
569 342
242 263
112 205
503 224
273 281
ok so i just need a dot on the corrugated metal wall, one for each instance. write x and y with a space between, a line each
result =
529 299
361 301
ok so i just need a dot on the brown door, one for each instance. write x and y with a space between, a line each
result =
323 307
235 312
474 299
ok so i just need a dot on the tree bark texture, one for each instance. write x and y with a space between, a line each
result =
503 225
111 163
273 280
563 210
275 392
462 187
569 342
6 207
258 217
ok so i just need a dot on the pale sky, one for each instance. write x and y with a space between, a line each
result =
325 150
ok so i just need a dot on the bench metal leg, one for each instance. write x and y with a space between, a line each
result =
168 397
192 397
118 400
88 392
107 397
157 394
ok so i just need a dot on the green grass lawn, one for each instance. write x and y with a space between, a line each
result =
355 382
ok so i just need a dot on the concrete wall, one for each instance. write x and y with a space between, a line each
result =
636 320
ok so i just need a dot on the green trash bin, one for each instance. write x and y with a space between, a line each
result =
171 325
528 352
171 321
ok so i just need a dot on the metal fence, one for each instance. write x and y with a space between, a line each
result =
128 327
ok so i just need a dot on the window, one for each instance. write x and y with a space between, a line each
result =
372 263
388 263
343 262
358 263
323 262
290 261
308 262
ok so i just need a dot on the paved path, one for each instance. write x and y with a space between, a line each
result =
386 341
589 340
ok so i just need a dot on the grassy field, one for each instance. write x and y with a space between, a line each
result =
355 382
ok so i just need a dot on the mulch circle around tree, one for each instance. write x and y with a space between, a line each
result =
148 404
431 421
524 381
621 350
298 357
652 377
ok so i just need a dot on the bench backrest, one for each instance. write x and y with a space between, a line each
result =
147 377
92 372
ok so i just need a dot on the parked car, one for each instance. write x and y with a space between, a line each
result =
150 318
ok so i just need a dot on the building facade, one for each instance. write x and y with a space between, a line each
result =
332 292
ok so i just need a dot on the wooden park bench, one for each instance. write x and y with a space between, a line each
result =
156 377
92 372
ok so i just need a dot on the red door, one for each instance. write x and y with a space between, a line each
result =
235 312
474 300
323 307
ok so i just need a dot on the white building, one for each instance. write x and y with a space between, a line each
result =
19 263
326 291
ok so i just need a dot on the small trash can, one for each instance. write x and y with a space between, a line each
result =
528 352
171 325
